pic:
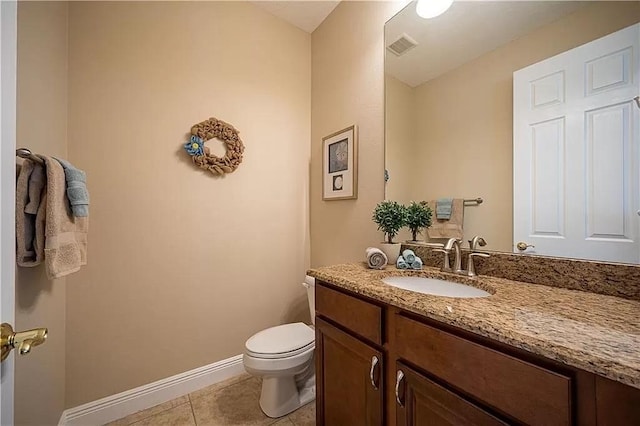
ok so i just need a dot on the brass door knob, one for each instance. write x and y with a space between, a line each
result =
22 340
522 246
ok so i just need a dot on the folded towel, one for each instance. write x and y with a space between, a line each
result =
376 259
451 228
417 263
443 208
76 184
30 214
65 235
401 263
409 256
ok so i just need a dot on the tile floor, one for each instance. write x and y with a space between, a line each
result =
229 403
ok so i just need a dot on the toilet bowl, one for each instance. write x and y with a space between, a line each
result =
283 356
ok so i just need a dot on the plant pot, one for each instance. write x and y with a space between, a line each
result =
392 251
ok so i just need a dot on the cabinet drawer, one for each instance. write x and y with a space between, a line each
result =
357 315
523 391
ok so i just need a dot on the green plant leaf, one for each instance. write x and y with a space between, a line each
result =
418 217
390 216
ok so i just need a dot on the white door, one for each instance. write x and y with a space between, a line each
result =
576 151
8 49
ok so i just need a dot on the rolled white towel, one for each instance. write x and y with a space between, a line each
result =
376 259
409 256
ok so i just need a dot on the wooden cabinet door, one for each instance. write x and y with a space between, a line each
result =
422 402
349 379
617 404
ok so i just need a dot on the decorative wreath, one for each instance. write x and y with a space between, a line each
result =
201 155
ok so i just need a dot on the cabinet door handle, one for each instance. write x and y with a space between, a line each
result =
374 364
399 378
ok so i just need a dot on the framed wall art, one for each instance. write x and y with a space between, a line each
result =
340 165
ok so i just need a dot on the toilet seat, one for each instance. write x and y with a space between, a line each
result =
281 342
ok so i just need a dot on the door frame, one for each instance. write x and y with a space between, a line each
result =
8 67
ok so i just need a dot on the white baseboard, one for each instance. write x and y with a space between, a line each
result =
120 405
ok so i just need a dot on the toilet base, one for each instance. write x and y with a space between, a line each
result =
281 396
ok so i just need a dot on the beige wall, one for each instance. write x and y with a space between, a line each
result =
42 127
464 125
400 121
348 88
183 267
399 141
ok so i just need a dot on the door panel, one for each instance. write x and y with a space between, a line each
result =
422 402
576 157
547 145
609 71
547 90
346 371
608 174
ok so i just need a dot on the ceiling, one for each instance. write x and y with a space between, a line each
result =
465 32
304 14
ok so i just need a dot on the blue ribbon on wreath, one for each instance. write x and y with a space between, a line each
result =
195 146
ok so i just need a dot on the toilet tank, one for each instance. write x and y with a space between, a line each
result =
310 284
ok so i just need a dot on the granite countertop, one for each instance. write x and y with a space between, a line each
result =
593 332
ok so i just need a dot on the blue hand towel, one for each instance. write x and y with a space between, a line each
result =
417 263
409 256
444 206
76 189
401 264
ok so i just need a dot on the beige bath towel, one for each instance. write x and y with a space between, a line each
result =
65 235
452 228
30 214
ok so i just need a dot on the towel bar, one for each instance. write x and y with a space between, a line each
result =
26 153
473 201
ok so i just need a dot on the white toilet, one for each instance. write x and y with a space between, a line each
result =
283 357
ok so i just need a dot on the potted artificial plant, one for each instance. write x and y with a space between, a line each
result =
390 216
418 218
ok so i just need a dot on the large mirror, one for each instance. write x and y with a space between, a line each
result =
528 105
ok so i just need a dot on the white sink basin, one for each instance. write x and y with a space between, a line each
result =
435 287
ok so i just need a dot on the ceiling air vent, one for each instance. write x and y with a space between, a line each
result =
402 45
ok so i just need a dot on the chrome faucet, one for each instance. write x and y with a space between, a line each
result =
454 244
475 242
473 245
451 244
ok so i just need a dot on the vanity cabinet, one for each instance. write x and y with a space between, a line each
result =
349 365
379 365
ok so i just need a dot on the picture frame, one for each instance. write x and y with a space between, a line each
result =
340 165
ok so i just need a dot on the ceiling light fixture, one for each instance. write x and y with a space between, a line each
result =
432 8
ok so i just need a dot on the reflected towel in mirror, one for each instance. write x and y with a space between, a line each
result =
452 228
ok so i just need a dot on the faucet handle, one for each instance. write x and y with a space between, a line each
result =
476 241
479 254
471 268
446 264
